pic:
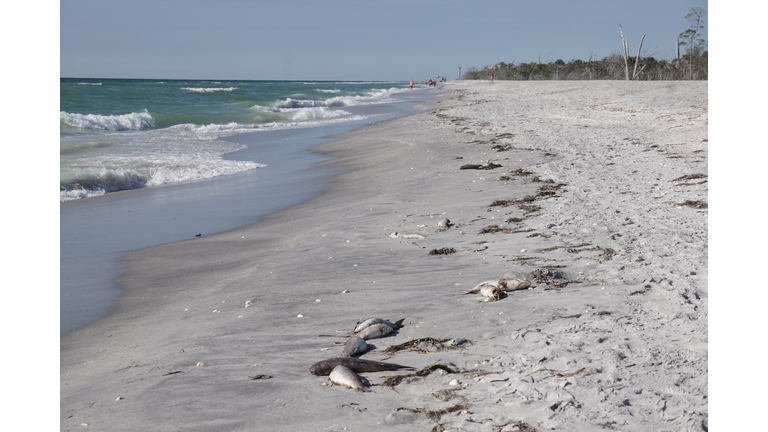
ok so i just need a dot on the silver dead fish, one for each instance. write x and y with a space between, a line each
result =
373 321
375 331
501 284
517 284
355 345
491 291
342 375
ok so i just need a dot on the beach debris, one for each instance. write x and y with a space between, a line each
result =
694 204
492 292
259 377
392 381
515 200
548 276
493 229
444 223
344 376
355 345
373 321
358 365
375 331
645 289
396 234
486 166
200 364
502 285
436 414
422 345
442 251
498 283
517 284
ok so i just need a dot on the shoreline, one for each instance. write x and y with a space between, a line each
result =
95 232
184 302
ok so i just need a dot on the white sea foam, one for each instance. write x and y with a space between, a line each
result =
94 181
132 121
209 89
329 90
318 113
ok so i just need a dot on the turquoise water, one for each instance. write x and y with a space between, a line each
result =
118 134
203 157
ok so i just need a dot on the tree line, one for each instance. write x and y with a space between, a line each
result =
691 65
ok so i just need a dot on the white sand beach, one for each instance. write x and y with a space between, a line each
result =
611 335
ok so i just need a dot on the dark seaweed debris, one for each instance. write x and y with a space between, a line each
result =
392 381
694 204
493 229
442 251
413 345
436 414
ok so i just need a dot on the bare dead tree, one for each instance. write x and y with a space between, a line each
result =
637 59
459 71
625 44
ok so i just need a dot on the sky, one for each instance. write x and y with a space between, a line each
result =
351 40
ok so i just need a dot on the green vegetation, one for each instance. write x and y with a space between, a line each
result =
692 65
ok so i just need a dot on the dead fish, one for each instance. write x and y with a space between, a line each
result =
342 375
406 236
517 284
490 291
375 331
325 367
355 345
444 223
372 321
500 283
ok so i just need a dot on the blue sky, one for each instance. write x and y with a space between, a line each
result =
350 40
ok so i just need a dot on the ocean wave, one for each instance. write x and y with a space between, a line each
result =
209 89
318 113
132 121
84 83
328 90
88 182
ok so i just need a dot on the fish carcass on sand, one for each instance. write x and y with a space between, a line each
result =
358 365
375 331
501 284
342 375
517 284
355 345
491 291
373 321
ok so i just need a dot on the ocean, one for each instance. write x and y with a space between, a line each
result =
118 134
148 162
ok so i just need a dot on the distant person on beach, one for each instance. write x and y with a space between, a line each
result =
493 73
411 85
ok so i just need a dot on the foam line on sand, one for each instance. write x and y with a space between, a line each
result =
612 333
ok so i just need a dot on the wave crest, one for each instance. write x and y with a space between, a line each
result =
209 89
90 182
132 121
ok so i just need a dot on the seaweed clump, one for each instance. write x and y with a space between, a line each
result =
392 381
442 251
